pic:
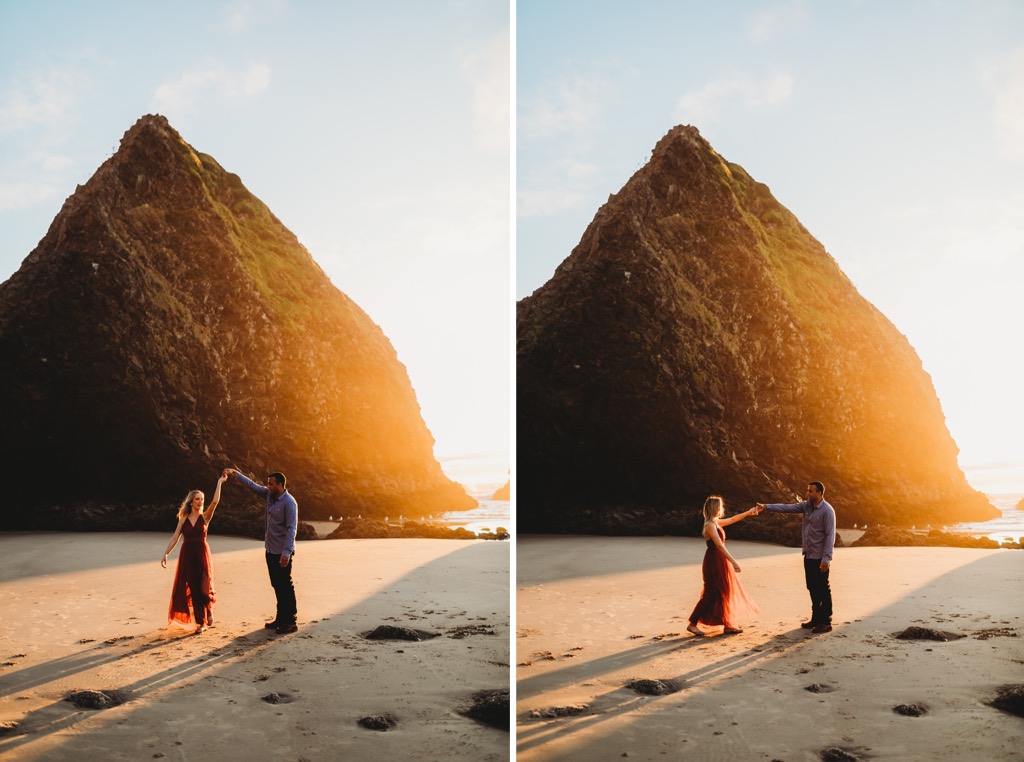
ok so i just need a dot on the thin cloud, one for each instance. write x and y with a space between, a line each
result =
242 15
1006 81
542 202
55 162
566 107
739 92
43 98
254 80
17 196
775 20
185 94
487 70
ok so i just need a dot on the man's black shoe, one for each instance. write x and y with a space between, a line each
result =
272 625
284 629
805 625
817 630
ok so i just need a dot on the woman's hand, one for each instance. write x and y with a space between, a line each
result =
735 566
163 561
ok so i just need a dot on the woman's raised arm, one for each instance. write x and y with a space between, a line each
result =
737 517
215 500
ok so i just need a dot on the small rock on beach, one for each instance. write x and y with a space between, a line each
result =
554 712
926 633
1010 698
94 699
834 754
911 710
655 687
380 722
491 707
277 698
390 632
819 688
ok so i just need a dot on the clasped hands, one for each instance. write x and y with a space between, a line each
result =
760 508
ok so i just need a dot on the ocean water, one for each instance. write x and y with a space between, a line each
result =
486 517
1009 526
1003 484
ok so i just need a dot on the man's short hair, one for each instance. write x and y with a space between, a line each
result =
817 485
278 477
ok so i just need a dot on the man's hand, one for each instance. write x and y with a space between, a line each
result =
283 560
228 473
824 566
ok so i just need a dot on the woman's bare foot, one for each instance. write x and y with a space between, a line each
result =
732 631
200 629
695 630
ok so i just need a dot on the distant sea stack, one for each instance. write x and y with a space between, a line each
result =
699 340
504 492
168 325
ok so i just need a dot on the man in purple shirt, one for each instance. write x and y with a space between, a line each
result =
819 538
282 522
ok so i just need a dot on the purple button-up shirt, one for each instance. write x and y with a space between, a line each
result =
819 528
282 518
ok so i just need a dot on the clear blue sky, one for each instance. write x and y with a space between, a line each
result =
377 132
893 129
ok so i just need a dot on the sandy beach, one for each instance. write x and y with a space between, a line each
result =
89 612
594 613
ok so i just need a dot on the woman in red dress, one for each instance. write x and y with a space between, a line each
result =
722 601
193 579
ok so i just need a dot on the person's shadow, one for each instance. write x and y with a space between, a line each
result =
620 701
63 714
162 660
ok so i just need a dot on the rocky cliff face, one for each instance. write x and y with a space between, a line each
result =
699 340
169 325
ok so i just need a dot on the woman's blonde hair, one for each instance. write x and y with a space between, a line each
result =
714 507
186 507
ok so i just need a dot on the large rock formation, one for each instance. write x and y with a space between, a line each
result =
504 492
169 325
699 340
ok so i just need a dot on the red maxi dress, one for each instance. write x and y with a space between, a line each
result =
193 579
722 601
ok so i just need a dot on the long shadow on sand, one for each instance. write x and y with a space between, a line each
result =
66 545
62 714
595 733
337 646
596 556
620 701
108 652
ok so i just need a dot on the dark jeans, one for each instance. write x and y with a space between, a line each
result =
821 593
281 579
